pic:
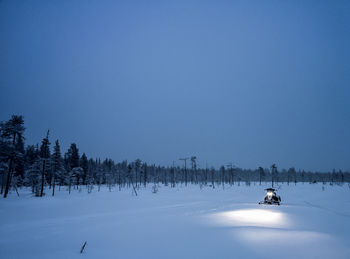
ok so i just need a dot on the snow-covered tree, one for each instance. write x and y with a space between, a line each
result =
10 133
84 163
32 177
73 160
44 155
57 167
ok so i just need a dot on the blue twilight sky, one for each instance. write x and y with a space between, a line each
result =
253 82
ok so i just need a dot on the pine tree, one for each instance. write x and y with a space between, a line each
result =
19 162
32 168
90 175
74 156
273 174
261 174
291 173
32 177
145 174
31 154
85 166
74 162
137 166
57 167
45 155
3 170
10 132
222 170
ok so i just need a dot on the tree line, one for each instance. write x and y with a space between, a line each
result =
44 168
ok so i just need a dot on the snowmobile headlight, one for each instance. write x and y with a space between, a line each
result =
270 194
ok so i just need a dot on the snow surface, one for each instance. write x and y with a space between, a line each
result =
181 222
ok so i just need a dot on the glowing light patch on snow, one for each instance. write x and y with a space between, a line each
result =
310 244
280 237
251 217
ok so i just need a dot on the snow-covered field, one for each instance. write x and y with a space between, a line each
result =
181 222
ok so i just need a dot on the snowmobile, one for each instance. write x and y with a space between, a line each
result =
271 197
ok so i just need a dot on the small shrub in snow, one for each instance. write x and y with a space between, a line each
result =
154 188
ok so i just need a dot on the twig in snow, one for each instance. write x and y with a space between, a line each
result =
83 247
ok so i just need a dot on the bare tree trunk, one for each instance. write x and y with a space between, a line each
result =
185 174
134 188
206 175
145 177
78 180
2 183
16 190
260 178
53 186
8 178
42 179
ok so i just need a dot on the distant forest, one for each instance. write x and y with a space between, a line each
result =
45 169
